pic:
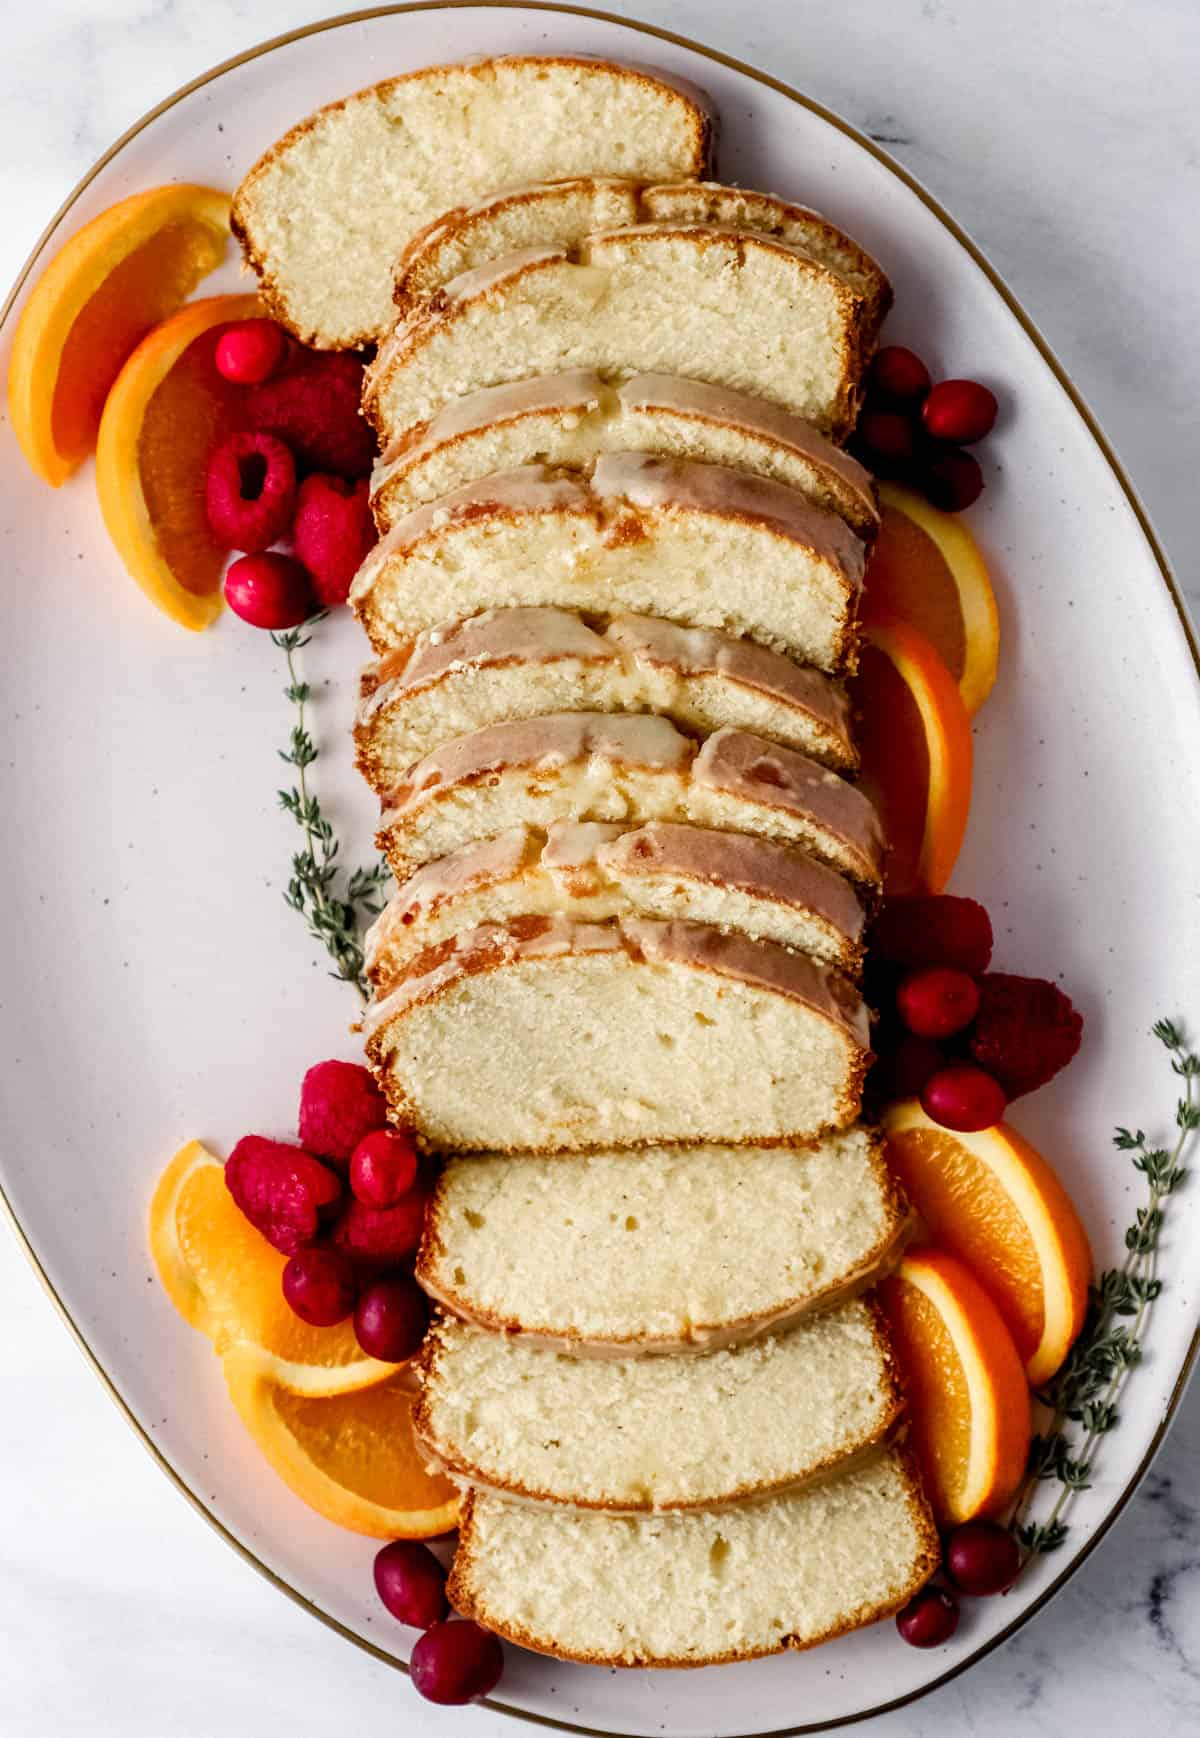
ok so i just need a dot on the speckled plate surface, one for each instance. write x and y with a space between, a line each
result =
156 986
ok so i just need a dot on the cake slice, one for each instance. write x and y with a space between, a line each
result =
628 1434
591 871
324 212
703 1588
522 663
726 306
681 1247
568 420
696 544
563 213
544 1035
592 766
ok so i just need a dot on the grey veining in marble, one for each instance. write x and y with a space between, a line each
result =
1065 138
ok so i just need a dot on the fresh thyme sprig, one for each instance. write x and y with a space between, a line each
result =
334 918
1083 1397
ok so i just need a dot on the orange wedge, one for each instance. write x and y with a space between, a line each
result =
352 1457
992 1200
914 737
968 1402
166 412
94 303
225 1279
927 570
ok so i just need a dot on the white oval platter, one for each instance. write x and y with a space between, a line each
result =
156 986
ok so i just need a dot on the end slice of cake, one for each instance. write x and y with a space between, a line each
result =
326 209
698 1589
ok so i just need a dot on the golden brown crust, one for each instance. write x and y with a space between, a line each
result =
241 222
462 1470
462 1597
885 1254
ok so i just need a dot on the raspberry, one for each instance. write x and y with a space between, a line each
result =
281 1189
331 533
250 491
314 408
339 1104
380 1237
269 590
933 929
250 352
905 1065
885 438
1025 1031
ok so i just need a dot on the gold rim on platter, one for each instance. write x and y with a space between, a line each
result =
1031 331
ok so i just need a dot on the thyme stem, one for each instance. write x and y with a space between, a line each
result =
333 919
1087 1389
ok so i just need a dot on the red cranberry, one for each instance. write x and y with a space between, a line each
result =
320 1286
268 591
383 1167
391 1318
905 1066
929 1619
886 437
963 1097
960 411
899 374
455 1662
937 1002
982 1558
251 351
411 1583
952 480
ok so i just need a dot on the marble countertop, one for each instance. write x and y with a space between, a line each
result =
1065 138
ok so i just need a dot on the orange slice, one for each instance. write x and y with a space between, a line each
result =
94 303
992 1200
225 1279
927 570
968 1402
352 1457
914 737
166 412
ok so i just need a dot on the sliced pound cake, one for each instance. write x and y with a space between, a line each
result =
726 306
563 213
680 1246
595 870
522 663
692 1431
544 1035
324 212
592 766
696 544
569 419
701 1588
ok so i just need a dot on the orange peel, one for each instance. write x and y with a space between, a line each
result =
103 291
